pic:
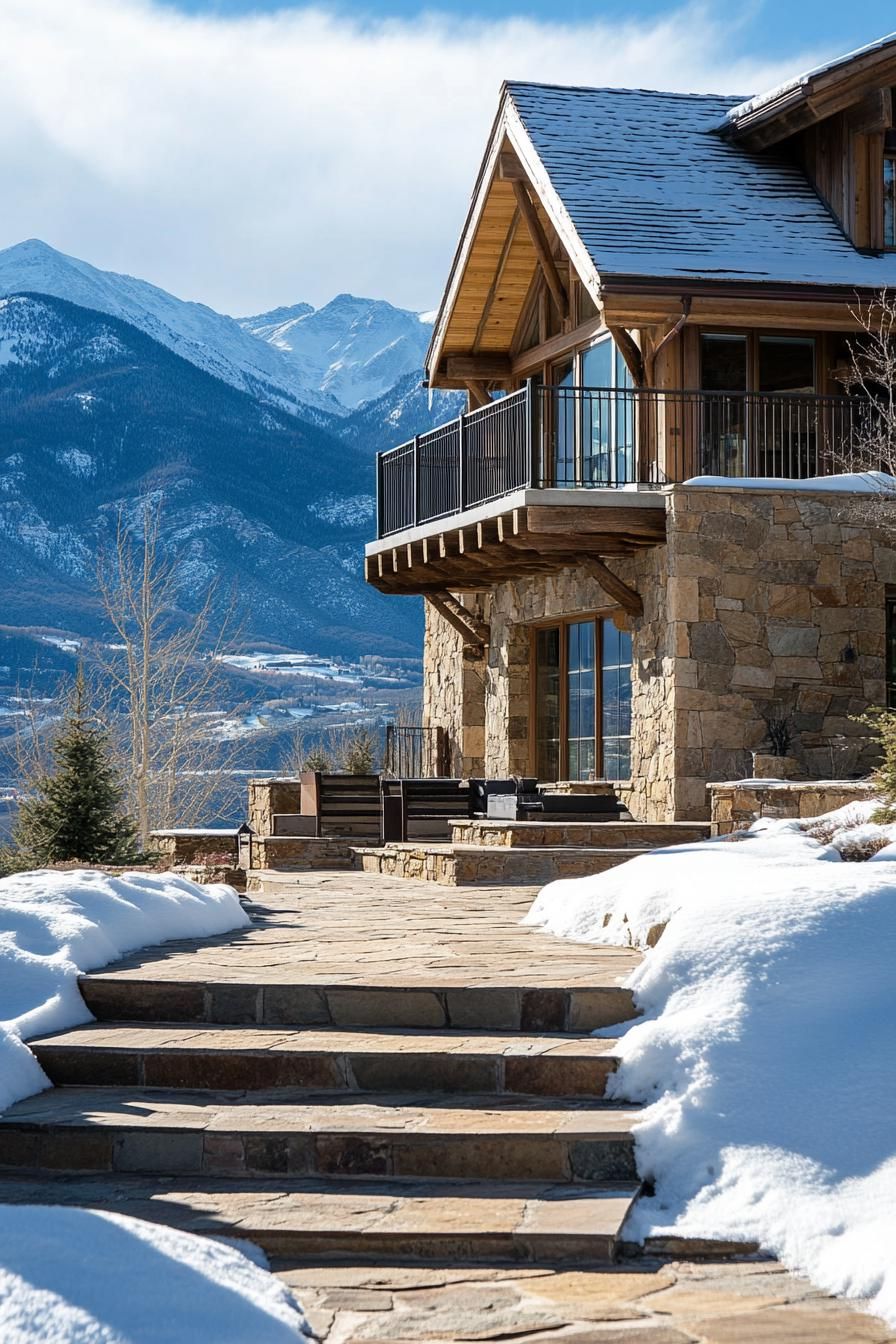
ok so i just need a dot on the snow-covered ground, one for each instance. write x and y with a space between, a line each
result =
767 1050
55 925
73 1276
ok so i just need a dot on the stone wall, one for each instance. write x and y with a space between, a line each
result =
776 606
761 603
270 797
737 804
194 846
454 692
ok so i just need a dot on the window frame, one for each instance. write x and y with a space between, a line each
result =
562 623
889 157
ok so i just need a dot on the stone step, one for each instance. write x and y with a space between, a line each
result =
578 834
498 1006
325 1134
382 1221
492 865
208 1056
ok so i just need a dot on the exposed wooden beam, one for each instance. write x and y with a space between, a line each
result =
631 353
477 392
496 280
628 598
475 633
484 368
542 248
510 168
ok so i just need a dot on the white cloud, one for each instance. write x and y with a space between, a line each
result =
258 160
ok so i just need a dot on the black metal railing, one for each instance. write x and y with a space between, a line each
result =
414 752
593 437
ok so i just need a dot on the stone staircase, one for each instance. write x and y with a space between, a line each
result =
526 853
323 1118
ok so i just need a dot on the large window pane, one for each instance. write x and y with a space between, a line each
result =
564 424
786 364
547 704
890 202
616 701
580 672
723 430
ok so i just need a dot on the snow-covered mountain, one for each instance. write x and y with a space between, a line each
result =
353 349
210 340
315 363
97 417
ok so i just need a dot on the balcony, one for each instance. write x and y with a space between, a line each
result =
586 438
556 472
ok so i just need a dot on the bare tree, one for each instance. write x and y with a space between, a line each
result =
164 670
870 377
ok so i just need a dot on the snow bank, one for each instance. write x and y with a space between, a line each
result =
850 483
55 925
767 1051
72 1276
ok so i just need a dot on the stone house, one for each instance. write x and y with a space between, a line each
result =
632 556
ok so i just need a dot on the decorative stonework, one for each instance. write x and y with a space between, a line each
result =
761 603
735 805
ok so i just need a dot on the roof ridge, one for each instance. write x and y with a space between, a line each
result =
733 98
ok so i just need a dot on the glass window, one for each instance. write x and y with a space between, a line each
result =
890 201
547 704
564 378
616 701
580 673
786 364
723 363
723 417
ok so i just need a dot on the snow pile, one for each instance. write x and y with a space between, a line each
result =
848 483
55 925
72 1276
766 1050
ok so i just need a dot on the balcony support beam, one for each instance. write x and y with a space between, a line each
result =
631 353
628 598
542 248
478 393
475 633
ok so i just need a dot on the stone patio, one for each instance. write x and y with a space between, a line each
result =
390 1087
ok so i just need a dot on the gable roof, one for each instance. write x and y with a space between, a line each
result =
651 189
814 94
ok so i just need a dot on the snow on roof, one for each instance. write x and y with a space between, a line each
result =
653 190
736 114
847 483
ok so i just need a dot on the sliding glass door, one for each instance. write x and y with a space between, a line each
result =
581 679
593 427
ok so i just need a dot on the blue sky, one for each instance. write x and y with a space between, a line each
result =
769 25
249 155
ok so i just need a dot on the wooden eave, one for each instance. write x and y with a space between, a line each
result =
515 543
496 258
815 98
640 301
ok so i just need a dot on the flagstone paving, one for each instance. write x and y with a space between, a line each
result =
640 1302
391 1086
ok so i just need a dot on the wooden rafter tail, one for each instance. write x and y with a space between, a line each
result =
475 633
631 353
542 248
628 598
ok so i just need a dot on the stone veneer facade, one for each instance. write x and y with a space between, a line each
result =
760 603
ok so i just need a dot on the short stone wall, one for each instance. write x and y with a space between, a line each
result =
299 853
180 847
270 797
735 805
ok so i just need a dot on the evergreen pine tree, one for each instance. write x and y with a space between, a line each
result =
76 812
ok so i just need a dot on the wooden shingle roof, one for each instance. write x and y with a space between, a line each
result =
652 189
